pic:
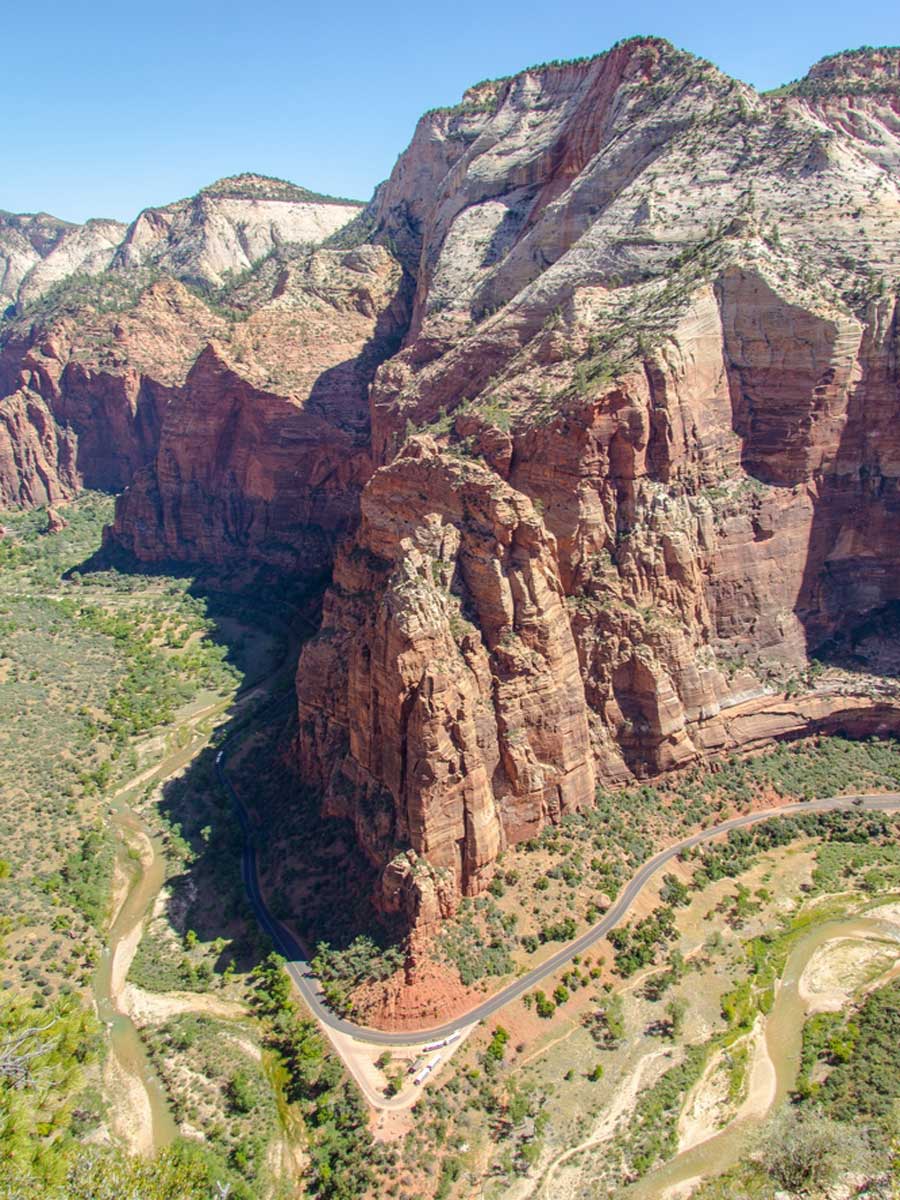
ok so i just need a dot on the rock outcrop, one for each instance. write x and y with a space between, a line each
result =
637 457
264 449
84 392
593 411
449 718
105 334
228 226
38 251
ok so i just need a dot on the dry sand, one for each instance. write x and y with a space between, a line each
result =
131 1117
151 1008
622 1103
840 968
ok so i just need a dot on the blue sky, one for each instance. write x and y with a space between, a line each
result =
111 107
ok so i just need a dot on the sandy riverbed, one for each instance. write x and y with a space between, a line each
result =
152 1008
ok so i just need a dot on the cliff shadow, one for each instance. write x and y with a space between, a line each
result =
849 597
328 395
312 876
818 431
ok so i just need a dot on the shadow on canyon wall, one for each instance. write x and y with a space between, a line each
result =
849 593
314 877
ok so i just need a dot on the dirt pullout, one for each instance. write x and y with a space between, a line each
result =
358 1056
152 1008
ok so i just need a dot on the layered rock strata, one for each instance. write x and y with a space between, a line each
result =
638 450
264 449
101 333
598 402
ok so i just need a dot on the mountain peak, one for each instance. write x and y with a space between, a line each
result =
864 71
251 186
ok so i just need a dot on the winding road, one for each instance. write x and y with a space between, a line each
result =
297 962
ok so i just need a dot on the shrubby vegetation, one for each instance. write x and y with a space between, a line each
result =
343 1157
184 1172
212 1082
849 1062
47 1057
340 971
85 878
89 662
653 1131
478 943
844 1116
565 877
158 679
637 944
106 292
852 840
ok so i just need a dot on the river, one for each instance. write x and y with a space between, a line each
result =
784 1040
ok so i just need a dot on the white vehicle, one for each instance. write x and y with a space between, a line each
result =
442 1043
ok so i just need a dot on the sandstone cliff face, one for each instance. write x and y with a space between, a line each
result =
86 373
228 227
602 413
264 449
655 320
458 719
37 251
84 393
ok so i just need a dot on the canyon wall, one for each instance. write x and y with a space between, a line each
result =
104 323
265 448
634 462
592 413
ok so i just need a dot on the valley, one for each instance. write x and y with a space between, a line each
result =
449 688
174 984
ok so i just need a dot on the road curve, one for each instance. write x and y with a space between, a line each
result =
297 962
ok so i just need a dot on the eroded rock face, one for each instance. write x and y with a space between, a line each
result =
86 369
229 226
264 449
242 474
638 450
84 395
37 251
451 710
603 413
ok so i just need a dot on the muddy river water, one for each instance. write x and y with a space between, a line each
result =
146 877
784 1038
783 1025
132 1069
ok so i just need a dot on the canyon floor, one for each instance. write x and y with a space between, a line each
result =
639 1067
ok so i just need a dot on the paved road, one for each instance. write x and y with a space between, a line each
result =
302 974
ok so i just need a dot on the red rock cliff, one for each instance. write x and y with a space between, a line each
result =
638 450
603 413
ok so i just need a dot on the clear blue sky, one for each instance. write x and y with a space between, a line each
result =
110 107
